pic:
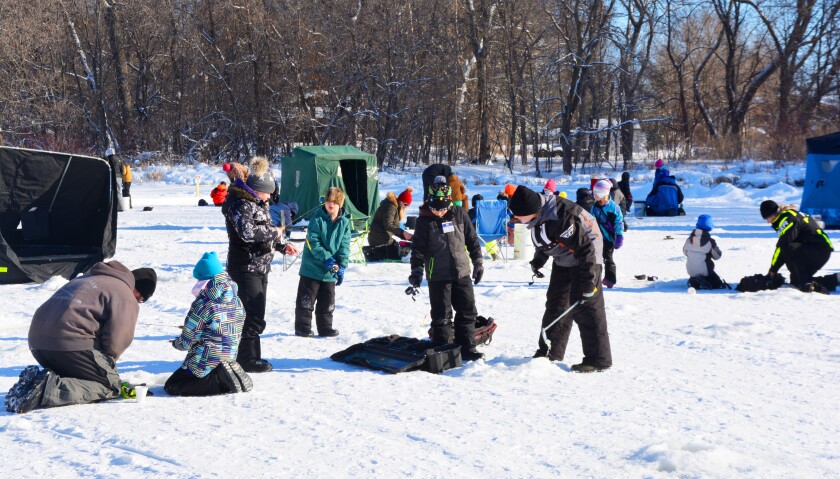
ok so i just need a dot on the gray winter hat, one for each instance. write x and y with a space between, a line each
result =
260 180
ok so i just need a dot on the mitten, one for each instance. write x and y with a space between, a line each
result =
619 241
331 265
536 269
339 276
478 271
416 276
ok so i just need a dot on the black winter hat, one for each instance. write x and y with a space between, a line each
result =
768 208
524 201
145 281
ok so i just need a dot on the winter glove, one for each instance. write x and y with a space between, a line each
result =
416 277
619 241
478 271
339 276
584 297
331 265
536 270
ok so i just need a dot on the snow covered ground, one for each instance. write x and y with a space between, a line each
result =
714 384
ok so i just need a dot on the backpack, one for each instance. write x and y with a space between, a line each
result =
760 282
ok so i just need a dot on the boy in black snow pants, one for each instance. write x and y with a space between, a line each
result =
440 236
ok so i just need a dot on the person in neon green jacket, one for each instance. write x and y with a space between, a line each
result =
802 245
325 257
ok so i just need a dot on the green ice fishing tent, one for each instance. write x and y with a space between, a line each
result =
310 170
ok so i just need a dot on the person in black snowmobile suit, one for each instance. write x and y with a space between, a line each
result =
802 245
570 236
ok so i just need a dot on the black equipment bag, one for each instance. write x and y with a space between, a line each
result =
760 282
395 354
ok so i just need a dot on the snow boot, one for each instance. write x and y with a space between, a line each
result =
588 368
257 366
234 378
26 394
471 354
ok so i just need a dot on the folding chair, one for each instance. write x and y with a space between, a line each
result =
359 228
491 218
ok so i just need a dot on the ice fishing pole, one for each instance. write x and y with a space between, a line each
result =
167 325
538 275
542 332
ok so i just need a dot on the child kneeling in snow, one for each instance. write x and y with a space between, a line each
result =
701 250
211 333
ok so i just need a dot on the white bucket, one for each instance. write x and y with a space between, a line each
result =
523 248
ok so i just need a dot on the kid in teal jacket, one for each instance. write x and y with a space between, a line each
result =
325 257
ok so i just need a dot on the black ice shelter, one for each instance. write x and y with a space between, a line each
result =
58 214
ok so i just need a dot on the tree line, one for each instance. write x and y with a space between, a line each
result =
422 81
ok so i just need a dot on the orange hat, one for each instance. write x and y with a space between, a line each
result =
510 189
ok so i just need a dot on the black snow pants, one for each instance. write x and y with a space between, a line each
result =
590 316
252 293
318 296
803 261
609 262
184 383
443 297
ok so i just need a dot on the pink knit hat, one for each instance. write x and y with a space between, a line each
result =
601 189
550 185
659 163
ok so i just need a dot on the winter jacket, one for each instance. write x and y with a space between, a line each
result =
95 311
567 233
459 191
213 327
430 173
218 194
441 252
325 239
610 220
624 186
386 222
126 173
251 234
796 227
618 197
700 249
665 197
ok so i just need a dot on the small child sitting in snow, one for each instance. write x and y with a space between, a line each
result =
211 334
701 250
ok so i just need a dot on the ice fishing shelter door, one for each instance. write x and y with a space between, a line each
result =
58 214
821 195
310 170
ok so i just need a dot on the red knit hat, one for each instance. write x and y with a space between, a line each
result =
405 196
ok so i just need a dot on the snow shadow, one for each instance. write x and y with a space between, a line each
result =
169 228
154 367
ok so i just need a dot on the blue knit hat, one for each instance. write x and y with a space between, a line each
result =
705 223
208 266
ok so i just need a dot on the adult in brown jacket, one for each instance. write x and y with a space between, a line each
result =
78 334
386 224
459 191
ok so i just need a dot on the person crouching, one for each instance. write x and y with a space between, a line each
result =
211 334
